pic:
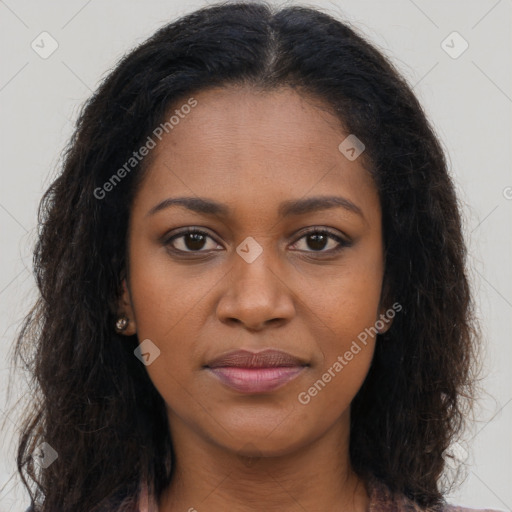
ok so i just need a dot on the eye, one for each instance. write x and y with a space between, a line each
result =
318 238
193 240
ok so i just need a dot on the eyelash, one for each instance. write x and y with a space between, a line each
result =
343 243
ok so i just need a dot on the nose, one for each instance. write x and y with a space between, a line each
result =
256 295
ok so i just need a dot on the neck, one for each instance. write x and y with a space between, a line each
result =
315 477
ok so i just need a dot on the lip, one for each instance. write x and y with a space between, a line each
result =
258 380
268 358
256 372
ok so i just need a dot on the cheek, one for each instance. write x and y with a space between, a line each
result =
344 357
346 299
165 295
168 306
345 311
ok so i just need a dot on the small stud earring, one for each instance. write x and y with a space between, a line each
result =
122 324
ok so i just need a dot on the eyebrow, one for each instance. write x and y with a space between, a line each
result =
286 208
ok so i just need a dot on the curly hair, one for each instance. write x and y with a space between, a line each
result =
96 406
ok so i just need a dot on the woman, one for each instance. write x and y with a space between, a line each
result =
252 277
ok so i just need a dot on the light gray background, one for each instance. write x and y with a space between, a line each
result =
468 98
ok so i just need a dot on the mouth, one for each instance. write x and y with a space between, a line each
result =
259 380
250 372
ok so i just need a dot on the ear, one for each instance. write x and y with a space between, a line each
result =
125 309
385 319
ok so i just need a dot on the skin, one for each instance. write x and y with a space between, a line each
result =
252 150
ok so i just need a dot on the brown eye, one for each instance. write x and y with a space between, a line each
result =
191 240
194 240
318 239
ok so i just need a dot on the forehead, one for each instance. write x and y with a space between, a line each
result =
238 123
241 143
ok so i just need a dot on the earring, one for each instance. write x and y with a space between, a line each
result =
122 324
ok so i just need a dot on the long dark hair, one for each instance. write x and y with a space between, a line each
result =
93 401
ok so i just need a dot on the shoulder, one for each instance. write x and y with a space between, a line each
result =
458 508
382 499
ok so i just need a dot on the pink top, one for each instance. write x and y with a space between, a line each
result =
145 503
381 500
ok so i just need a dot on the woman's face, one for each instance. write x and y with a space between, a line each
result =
254 279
